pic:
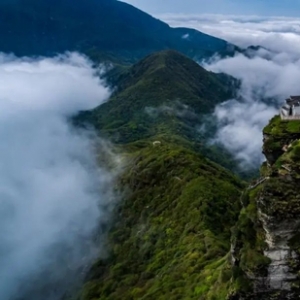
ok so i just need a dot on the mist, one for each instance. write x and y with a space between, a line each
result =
279 34
268 75
54 196
266 81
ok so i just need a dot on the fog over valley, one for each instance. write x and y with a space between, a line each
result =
53 195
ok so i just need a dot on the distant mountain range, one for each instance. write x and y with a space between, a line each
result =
104 29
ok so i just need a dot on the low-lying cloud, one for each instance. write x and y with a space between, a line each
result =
176 108
52 194
279 34
240 129
268 76
266 83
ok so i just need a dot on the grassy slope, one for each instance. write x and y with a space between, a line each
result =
279 128
171 236
277 134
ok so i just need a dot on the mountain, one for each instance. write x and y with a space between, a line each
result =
104 29
189 229
164 96
258 51
152 92
185 227
171 233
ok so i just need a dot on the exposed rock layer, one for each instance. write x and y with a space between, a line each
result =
266 244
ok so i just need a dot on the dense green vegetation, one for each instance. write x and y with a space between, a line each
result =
164 91
165 94
281 128
171 236
248 243
103 29
270 210
279 134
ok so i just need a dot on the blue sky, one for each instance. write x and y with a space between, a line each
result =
245 7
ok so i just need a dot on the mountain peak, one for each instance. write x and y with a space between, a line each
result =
166 56
171 62
167 80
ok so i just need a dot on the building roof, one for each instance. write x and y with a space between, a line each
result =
293 100
297 98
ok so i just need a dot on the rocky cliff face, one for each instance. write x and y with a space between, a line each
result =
266 240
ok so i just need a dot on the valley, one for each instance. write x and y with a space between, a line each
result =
136 194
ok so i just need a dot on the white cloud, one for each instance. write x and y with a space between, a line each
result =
271 74
265 85
240 129
280 34
52 195
261 77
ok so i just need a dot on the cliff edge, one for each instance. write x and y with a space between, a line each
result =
266 240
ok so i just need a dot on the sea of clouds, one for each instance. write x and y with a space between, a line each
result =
275 33
53 196
268 77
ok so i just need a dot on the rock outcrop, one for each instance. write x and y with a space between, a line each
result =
266 240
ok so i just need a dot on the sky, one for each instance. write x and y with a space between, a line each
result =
245 7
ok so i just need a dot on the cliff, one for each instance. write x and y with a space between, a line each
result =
265 244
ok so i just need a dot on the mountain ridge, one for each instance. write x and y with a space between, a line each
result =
166 78
171 233
100 28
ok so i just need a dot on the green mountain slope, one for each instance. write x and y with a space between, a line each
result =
105 29
172 230
164 96
171 233
165 93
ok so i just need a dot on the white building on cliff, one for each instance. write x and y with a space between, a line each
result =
291 109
